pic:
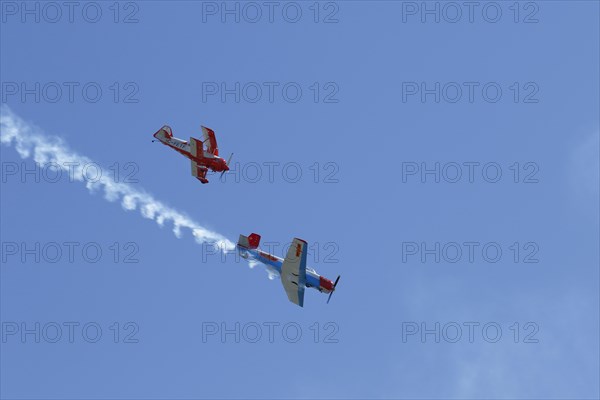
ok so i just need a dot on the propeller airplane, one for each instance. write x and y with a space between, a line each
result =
295 275
203 159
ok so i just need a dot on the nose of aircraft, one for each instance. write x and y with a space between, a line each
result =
326 284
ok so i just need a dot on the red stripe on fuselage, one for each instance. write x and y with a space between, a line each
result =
185 153
268 256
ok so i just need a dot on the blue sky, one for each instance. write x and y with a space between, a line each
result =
367 123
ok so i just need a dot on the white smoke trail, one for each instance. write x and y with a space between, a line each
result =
29 141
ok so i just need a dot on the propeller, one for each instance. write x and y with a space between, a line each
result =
333 290
228 161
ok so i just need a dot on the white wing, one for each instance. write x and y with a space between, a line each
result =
293 272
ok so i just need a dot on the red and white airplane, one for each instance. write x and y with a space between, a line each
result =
202 158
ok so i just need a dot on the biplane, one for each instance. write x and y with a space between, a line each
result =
203 154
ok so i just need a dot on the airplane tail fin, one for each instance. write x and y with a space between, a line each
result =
249 242
164 133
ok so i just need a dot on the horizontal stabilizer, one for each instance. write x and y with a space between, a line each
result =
249 242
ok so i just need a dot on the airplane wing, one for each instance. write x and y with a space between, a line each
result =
196 148
293 272
210 140
199 172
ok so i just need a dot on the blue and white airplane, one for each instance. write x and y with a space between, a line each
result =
295 275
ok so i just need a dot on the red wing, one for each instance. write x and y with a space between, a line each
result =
210 140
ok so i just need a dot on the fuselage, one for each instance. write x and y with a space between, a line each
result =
274 263
208 160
